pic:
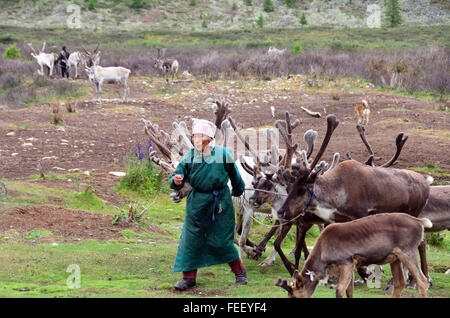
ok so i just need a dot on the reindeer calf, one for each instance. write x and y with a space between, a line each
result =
362 112
388 238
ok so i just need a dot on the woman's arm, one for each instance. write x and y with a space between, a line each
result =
181 169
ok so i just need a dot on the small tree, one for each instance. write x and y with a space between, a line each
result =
303 20
248 2
268 6
392 14
92 5
193 3
204 24
297 49
12 52
234 6
260 21
289 3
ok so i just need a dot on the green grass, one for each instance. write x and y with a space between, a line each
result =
405 37
25 193
140 264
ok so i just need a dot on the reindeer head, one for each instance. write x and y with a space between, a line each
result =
90 73
282 175
91 58
159 61
302 176
303 284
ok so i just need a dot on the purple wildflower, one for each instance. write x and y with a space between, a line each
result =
4 186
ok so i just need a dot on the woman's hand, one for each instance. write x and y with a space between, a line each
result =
178 179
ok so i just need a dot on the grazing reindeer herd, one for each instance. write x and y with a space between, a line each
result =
97 74
372 214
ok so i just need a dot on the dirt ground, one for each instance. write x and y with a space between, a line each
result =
96 137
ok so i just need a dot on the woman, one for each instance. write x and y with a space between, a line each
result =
208 230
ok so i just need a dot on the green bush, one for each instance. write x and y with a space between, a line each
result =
297 49
92 5
136 4
435 239
289 3
204 24
12 52
303 20
142 176
268 6
248 2
260 21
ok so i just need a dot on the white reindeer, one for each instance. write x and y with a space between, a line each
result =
43 59
115 74
273 51
75 60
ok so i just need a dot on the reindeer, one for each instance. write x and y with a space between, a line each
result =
166 65
273 51
351 190
75 60
115 74
43 59
362 112
387 238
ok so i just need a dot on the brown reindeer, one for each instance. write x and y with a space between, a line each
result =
351 190
388 238
168 66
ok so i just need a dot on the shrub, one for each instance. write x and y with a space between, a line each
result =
289 3
303 20
435 239
268 6
12 52
142 175
136 4
92 5
260 21
193 3
297 49
248 2
204 24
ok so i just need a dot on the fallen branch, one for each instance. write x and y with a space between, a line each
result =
310 113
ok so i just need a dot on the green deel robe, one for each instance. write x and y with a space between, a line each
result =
205 242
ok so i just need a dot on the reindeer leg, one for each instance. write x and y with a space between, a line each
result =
345 279
301 234
262 245
246 224
410 261
423 266
283 232
398 278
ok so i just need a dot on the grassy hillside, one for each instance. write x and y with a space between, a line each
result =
212 14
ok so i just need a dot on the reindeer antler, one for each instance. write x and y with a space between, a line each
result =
221 112
400 142
285 129
32 48
332 124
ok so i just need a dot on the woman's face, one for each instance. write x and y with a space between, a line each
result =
200 141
